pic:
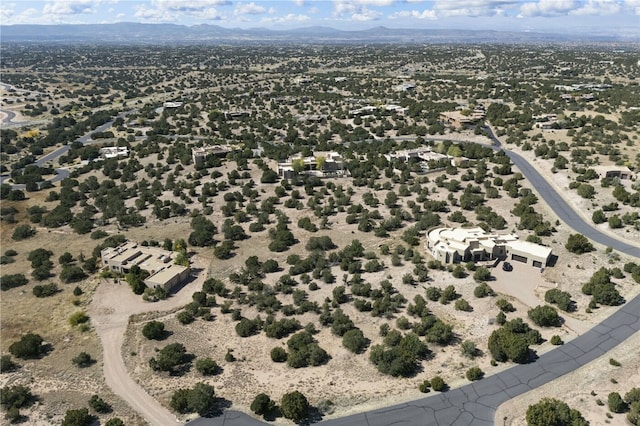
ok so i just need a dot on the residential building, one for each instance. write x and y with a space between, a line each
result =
159 263
200 155
114 152
425 156
321 164
454 245
460 119
404 87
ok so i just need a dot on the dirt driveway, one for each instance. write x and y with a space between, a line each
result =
528 285
111 306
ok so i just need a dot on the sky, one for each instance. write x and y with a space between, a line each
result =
613 17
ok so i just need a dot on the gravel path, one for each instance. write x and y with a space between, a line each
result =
111 307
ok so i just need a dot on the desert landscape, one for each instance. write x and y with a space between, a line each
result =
299 186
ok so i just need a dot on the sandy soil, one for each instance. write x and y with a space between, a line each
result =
111 308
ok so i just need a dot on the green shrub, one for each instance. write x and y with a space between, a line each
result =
504 305
615 403
11 281
29 346
45 290
82 360
294 406
22 232
544 316
207 366
278 354
262 404
463 305
550 411
99 405
556 340
354 340
438 384
474 373
424 386
78 318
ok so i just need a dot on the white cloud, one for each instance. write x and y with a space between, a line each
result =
188 6
358 9
366 15
633 4
473 8
425 14
286 18
299 2
249 9
153 15
71 7
597 7
548 8
172 10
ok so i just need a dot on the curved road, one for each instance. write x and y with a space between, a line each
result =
476 403
560 207
85 140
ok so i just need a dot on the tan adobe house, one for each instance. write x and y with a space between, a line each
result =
159 263
453 245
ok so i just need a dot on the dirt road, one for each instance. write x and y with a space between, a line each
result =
110 309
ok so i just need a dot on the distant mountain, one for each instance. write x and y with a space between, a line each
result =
136 33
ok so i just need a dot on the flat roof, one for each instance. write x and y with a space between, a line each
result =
166 274
531 248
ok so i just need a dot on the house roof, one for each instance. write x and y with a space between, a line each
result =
533 249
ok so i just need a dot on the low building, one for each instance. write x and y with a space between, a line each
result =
321 164
159 263
236 115
620 172
200 155
114 152
460 119
404 87
174 104
454 245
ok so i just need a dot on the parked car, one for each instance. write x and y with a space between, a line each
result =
506 266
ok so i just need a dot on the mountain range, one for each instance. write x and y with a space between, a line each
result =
138 33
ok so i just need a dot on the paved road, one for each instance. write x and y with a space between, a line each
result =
476 403
560 207
85 140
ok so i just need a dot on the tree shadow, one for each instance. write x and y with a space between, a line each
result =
221 405
315 416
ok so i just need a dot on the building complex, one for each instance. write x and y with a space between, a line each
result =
159 263
453 245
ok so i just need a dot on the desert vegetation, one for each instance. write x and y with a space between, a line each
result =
306 275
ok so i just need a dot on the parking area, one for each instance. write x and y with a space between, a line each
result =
524 282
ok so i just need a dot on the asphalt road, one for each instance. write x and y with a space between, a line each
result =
560 207
53 155
476 403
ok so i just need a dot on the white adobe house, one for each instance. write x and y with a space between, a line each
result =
454 245
321 164
114 152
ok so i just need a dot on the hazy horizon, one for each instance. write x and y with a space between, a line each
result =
595 17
